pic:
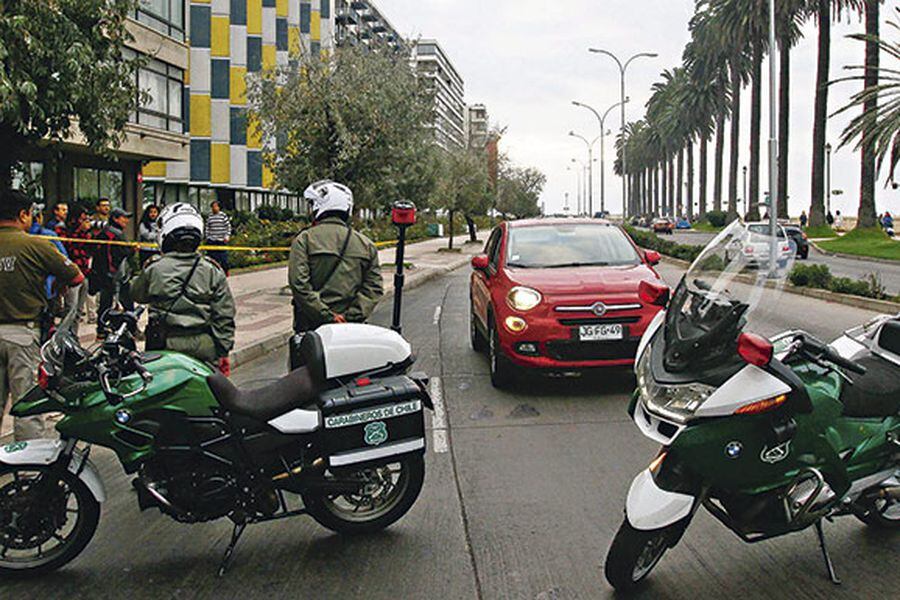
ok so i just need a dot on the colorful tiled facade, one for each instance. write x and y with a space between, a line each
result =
228 40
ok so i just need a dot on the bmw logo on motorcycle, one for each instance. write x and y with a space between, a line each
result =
734 449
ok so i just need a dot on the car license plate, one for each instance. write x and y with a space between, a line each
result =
593 333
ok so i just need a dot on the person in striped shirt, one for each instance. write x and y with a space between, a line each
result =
218 232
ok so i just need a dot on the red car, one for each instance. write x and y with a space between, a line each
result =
663 225
561 295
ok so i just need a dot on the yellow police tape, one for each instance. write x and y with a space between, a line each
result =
149 246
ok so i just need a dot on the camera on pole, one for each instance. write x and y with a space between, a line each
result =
403 215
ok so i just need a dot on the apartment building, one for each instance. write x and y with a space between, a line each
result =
477 126
361 22
229 40
450 117
72 172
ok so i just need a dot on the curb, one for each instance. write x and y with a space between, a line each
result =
880 306
884 261
273 342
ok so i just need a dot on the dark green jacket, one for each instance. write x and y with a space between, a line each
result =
355 287
204 316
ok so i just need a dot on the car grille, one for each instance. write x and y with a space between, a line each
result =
598 321
571 350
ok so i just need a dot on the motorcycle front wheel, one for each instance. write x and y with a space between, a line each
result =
633 555
386 493
47 517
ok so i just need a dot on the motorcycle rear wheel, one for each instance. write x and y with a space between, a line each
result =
62 514
391 491
633 555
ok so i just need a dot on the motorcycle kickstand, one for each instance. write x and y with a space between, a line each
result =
236 534
820 532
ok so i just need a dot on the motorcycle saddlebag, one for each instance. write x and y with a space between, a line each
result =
373 420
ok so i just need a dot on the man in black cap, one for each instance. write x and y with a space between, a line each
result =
106 261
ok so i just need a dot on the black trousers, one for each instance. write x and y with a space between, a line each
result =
107 295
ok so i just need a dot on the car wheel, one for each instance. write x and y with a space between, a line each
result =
477 339
805 254
501 368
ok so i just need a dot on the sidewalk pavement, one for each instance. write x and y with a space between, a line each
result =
264 315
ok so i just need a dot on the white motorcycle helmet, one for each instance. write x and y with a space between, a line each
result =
179 222
328 196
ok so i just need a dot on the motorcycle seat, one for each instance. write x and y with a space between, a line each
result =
875 394
297 389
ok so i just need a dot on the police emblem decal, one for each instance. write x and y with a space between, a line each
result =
376 433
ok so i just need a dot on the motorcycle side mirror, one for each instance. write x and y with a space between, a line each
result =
755 349
480 262
652 257
655 294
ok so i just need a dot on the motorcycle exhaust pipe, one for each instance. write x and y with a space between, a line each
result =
296 471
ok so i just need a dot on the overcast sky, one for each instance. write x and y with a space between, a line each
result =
528 59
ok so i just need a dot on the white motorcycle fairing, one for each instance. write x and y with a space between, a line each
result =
46 452
351 348
649 507
750 384
658 320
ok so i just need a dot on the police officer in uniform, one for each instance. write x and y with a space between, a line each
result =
333 271
191 306
25 264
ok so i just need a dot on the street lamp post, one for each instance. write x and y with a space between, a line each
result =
623 67
746 190
773 141
579 175
590 167
603 134
828 179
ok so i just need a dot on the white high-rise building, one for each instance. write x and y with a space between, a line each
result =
450 107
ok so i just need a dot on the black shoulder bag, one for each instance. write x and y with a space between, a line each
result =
157 332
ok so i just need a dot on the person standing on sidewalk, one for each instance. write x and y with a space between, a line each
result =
191 306
334 273
148 233
102 210
803 220
58 221
25 264
105 263
218 233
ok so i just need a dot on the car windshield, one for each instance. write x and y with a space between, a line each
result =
763 229
569 245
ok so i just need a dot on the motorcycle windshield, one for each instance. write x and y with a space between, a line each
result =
740 272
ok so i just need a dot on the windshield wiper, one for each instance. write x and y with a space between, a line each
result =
578 264
519 266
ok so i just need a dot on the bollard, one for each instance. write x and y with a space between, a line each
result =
403 215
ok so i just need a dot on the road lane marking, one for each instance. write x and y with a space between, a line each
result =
437 315
439 418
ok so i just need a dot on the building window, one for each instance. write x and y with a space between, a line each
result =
93 184
165 16
163 85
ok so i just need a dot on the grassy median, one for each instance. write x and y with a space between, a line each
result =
873 243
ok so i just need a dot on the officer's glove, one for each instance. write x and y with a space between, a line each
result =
339 318
225 366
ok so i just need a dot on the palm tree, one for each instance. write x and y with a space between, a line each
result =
878 126
790 17
707 60
865 216
824 12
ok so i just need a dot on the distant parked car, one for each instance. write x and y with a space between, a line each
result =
799 238
755 245
663 225
683 224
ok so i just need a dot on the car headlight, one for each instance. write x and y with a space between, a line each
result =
675 402
523 298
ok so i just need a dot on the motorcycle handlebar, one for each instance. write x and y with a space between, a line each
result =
827 353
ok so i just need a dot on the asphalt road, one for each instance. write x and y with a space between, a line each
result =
523 504
889 273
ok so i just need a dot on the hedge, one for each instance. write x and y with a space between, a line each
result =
820 277
651 241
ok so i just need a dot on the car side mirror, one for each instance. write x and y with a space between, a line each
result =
480 262
652 257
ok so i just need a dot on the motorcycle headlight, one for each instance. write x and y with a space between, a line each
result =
523 298
675 402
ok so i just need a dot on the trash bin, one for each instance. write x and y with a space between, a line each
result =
435 230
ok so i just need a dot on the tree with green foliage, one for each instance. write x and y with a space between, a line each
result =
62 61
462 187
518 191
358 116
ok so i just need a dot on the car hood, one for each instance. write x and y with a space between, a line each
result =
583 280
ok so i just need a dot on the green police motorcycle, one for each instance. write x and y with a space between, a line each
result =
340 439
770 436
